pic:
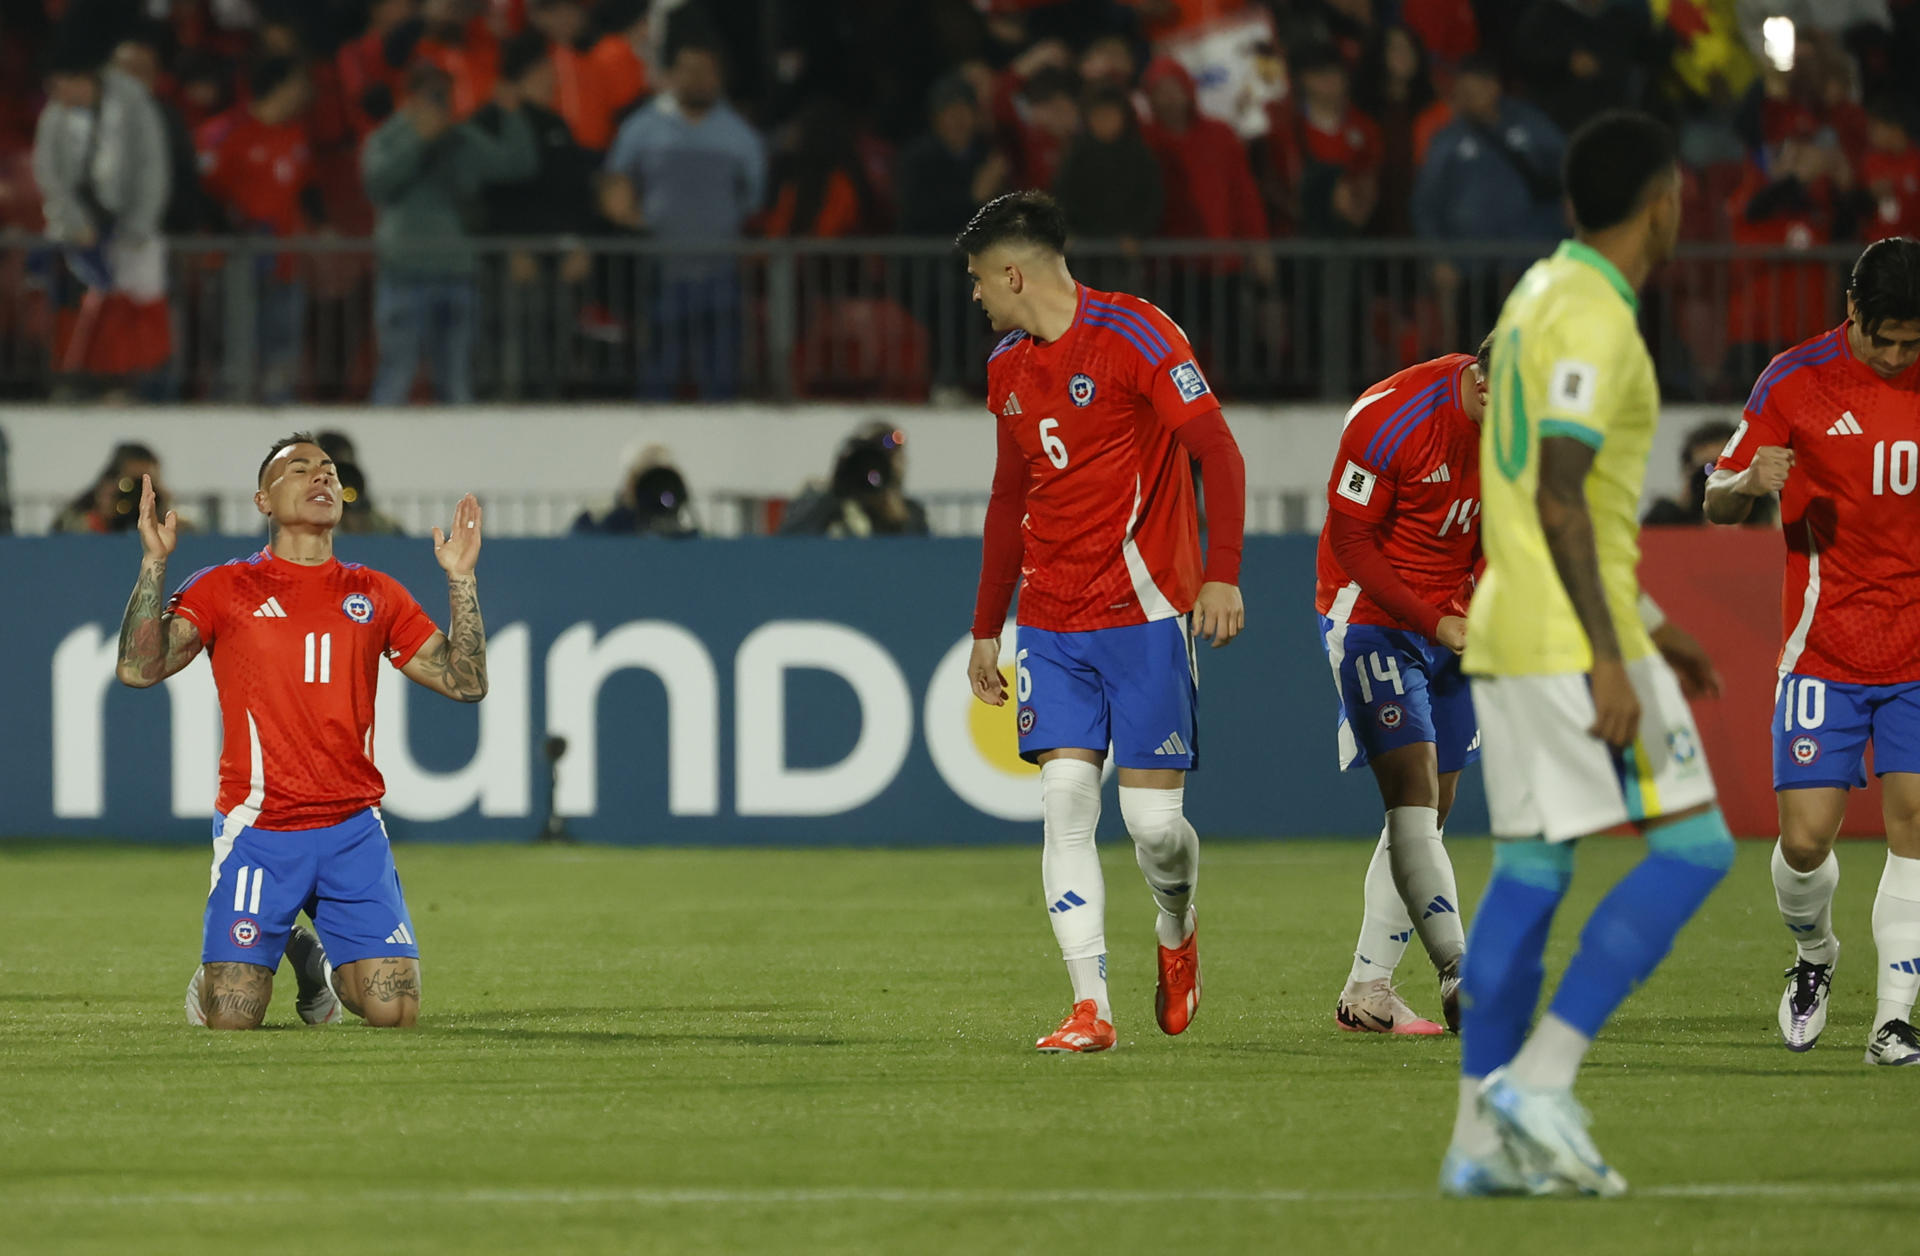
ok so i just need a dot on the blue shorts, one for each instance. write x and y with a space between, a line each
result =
1135 688
1397 688
1821 729
342 876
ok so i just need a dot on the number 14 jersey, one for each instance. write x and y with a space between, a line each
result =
295 652
1111 535
1850 604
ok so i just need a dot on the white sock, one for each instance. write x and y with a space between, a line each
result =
1806 904
1070 875
1473 1133
1168 852
1385 927
1424 876
1550 1057
1896 935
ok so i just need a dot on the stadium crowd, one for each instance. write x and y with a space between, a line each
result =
429 125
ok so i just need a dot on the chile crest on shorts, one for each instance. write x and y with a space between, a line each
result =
1804 749
244 932
1391 716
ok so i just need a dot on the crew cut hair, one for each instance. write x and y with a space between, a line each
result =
1612 165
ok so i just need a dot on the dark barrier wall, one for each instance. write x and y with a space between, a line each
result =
793 692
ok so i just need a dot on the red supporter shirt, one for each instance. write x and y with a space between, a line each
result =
1409 464
256 171
1850 605
1111 535
296 652
1893 181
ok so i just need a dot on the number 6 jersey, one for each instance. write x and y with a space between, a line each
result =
1111 534
1850 604
295 652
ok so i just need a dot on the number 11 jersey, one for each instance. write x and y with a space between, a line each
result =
1111 534
295 652
1850 604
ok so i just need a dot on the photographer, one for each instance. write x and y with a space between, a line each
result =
867 495
652 502
112 504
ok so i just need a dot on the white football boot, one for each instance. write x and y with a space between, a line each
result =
1894 1043
1803 1005
1546 1130
196 1011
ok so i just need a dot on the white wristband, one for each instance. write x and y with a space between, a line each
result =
1651 616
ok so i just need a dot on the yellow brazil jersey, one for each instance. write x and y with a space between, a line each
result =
1568 361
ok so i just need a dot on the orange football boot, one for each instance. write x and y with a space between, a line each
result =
1177 997
1083 1030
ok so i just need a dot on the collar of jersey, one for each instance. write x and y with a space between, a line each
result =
1575 251
267 555
1079 313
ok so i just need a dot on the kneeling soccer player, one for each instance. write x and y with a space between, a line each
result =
1396 566
295 639
1585 723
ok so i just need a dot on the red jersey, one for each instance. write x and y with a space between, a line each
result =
1852 588
296 652
1111 535
1408 463
258 172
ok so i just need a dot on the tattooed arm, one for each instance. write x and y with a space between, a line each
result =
454 663
153 644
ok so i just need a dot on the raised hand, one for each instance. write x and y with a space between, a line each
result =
459 551
157 536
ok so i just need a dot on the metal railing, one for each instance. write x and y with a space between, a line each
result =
265 320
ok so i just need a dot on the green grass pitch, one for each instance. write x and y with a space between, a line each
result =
772 1051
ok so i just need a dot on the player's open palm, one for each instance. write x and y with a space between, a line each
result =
983 673
1218 613
1616 707
158 535
459 550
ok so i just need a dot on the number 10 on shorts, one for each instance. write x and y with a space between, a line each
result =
1806 704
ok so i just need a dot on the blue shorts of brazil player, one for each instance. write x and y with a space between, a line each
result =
342 876
1821 729
1135 688
1396 689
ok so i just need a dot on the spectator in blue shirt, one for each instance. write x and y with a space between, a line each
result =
689 171
1492 175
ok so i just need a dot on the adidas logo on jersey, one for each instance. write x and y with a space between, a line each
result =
1847 426
1012 406
1442 476
1172 745
271 609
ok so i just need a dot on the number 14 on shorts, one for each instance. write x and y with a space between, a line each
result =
1386 671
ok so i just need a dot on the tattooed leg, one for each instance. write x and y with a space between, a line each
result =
235 996
383 992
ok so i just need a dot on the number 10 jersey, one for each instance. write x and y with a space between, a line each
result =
295 652
1850 603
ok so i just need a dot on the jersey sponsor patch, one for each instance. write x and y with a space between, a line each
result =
1080 389
1356 483
1188 379
1571 386
358 608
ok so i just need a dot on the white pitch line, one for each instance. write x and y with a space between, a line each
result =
727 1197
